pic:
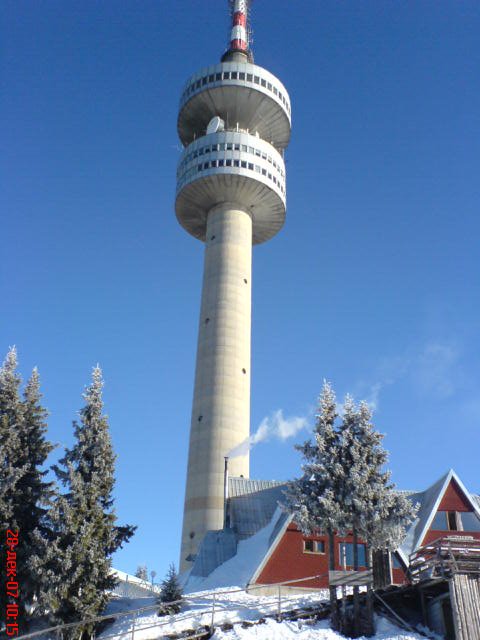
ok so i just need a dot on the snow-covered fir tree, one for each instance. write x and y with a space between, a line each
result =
170 594
313 498
379 513
11 470
85 533
142 572
344 486
34 493
24 493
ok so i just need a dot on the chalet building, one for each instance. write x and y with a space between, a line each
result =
261 545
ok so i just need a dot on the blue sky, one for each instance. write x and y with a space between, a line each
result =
373 282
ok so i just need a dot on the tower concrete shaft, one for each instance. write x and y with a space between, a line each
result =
234 124
221 402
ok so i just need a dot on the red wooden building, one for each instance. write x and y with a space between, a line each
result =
262 545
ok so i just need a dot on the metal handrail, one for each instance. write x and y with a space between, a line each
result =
193 598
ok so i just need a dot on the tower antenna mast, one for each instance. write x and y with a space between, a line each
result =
240 32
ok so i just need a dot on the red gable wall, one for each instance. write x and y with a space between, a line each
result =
454 499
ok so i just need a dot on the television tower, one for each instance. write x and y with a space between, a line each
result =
234 123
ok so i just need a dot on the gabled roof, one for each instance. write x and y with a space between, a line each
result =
428 502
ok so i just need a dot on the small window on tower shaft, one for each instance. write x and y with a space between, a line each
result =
241 75
233 75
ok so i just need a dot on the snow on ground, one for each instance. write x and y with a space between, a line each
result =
272 630
231 607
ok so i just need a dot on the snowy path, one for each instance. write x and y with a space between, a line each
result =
232 608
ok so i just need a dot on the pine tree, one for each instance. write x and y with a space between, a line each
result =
83 518
34 494
11 421
142 572
170 594
11 468
344 487
312 498
25 493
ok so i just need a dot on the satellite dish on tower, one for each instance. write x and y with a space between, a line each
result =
215 124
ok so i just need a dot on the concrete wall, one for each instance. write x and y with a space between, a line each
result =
221 404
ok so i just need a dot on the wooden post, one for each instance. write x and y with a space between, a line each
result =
371 630
213 614
279 614
332 590
356 589
133 626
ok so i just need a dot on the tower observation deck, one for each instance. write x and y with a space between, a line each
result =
234 123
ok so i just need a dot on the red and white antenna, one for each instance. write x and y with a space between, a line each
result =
240 32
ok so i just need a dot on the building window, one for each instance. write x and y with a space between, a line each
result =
470 521
218 76
346 554
439 522
396 564
241 75
313 546
233 75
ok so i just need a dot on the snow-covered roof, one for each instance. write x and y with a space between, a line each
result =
216 548
252 504
240 568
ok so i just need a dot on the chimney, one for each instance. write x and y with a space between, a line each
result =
226 519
